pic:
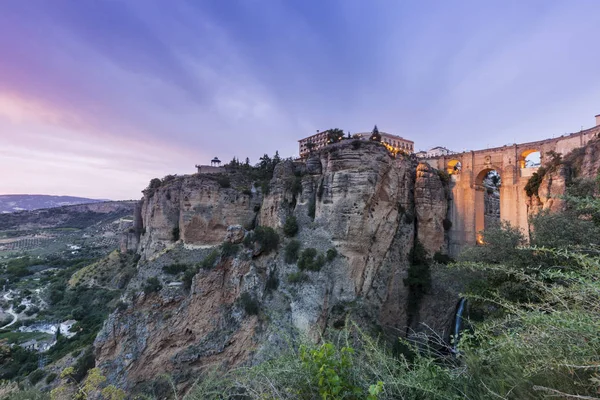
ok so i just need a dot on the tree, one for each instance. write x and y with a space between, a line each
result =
375 135
276 158
334 135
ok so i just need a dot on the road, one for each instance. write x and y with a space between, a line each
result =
10 311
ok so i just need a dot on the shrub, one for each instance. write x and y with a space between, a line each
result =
229 249
290 228
418 279
223 181
562 230
266 237
272 282
331 254
175 269
152 285
209 260
444 176
297 277
175 234
533 184
441 258
51 377
264 187
310 260
249 303
121 306
36 376
291 251
188 276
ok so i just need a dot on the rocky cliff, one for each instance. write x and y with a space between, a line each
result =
577 170
359 212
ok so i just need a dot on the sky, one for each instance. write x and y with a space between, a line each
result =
98 97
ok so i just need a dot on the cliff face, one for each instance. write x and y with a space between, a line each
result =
580 164
351 197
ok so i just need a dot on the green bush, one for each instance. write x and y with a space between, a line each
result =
36 376
229 249
50 378
223 181
266 237
562 230
209 260
290 228
297 277
310 260
533 184
292 250
272 282
152 285
249 303
175 269
331 254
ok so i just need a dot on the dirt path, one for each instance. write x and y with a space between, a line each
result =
10 311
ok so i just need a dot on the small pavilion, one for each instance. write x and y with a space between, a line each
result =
215 162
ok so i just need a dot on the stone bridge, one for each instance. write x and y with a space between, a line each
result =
467 205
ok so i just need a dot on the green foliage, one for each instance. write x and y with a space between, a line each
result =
266 237
175 269
290 228
50 378
331 254
272 282
582 187
229 249
152 285
249 303
36 376
500 244
533 184
292 250
210 260
334 135
563 230
375 135
311 260
298 277
223 181
444 176
175 234
330 370
155 183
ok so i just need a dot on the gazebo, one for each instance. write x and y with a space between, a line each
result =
215 162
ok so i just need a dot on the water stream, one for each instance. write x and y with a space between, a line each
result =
458 322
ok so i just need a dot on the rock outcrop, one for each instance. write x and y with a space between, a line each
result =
352 202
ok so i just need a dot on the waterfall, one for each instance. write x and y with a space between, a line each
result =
458 323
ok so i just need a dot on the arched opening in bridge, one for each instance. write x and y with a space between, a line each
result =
487 200
454 167
530 159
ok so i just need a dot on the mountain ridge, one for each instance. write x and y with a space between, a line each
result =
10 203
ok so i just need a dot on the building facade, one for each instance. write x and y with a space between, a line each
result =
394 143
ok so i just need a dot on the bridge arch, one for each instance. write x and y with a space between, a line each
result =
525 154
454 166
487 198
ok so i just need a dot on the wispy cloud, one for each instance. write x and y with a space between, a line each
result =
111 94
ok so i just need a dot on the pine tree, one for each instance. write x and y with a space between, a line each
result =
375 135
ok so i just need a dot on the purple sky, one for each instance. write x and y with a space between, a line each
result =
98 97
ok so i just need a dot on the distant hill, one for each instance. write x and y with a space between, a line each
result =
10 203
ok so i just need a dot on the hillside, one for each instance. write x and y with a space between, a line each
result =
25 202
